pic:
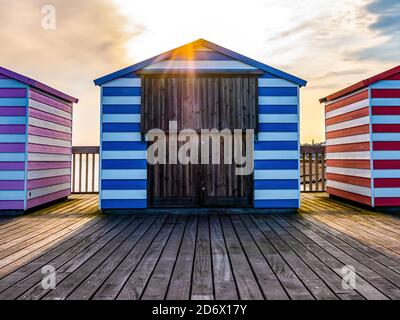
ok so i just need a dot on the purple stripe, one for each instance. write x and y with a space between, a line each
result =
12 93
12 165
44 165
47 198
49 133
12 111
51 102
12 205
12 128
12 147
40 148
39 183
12 185
49 117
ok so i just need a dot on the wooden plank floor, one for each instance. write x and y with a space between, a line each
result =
201 256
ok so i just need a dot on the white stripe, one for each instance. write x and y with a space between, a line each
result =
49 109
121 118
12 120
262 83
12 138
123 82
199 64
386 155
49 125
276 155
385 102
363 173
108 155
349 108
49 141
349 188
328 103
346 140
12 195
48 157
362 155
278 118
121 100
386 136
276 174
5 156
276 194
386 84
122 136
11 83
135 174
278 136
391 119
39 174
12 175
124 194
34 193
387 192
348 124
262 100
387 173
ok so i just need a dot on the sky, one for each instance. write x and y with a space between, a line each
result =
331 44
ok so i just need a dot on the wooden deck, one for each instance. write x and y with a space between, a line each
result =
201 256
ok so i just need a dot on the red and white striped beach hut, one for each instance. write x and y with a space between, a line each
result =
363 141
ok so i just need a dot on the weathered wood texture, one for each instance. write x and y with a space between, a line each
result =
201 256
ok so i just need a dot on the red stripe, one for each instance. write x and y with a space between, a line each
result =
349 195
386 164
47 149
387 202
385 93
348 132
49 133
50 101
387 183
356 164
44 182
47 198
351 147
386 145
395 77
346 101
358 181
348 116
385 128
385 110
44 165
49 117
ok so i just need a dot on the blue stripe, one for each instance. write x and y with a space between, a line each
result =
121 127
121 109
124 184
269 76
278 127
272 204
277 92
276 145
130 75
276 184
124 164
124 145
276 164
124 204
121 91
266 109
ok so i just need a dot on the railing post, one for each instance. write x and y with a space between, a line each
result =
80 171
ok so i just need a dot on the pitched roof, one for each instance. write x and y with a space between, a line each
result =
362 84
208 44
36 84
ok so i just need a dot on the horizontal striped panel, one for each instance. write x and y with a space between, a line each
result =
122 136
276 145
12 165
386 164
386 173
349 188
348 100
276 194
12 129
49 117
38 148
12 175
276 174
123 82
42 165
48 157
12 205
123 194
276 184
34 193
277 91
277 136
121 100
124 174
49 141
387 182
39 174
49 109
124 164
278 127
12 111
13 93
276 164
387 202
12 184
348 108
11 157
385 102
357 164
121 118
348 132
363 173
386 111
278 100
121 127
49 125
13 102
358 181
47 198
122 146
387 145
351 147
276 204
273 155
348 140
275 83
386 155
386 84
385 93
66 106
44 182
200 65
348 116
270 109
387 192
49 133
121 109
9 138
349 195
123 184
124 155
12 195
12 120
348 124
121 91
278 118
123 204
12 147
362 155
11 83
